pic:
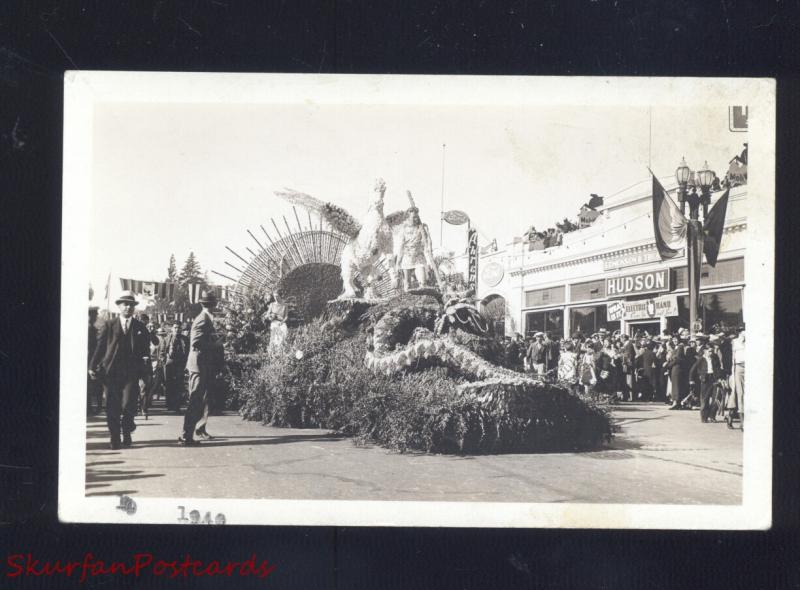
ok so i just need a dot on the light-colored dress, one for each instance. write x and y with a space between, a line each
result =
277 327
568 367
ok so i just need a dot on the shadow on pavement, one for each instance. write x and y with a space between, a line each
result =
99 478
244 441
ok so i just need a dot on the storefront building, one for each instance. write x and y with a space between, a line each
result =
610 275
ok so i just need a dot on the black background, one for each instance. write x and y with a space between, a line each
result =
39 40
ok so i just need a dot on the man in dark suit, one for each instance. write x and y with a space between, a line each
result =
121 358
706 371
629 365
205 358
94 399
646 364
172 354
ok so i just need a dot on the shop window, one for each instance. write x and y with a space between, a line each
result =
723 309
551 322
538 297
588 320
588 291
726 272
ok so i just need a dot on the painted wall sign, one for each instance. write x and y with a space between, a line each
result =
644 309
492 274
643 282
634 259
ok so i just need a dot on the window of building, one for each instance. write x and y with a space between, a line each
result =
551 322
726 272
539 297
723 309
588 291
588 320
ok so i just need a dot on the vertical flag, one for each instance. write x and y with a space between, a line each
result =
194 291
669 224
712 228
472 249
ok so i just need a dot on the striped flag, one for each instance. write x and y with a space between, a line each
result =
669 224
149 289
194 291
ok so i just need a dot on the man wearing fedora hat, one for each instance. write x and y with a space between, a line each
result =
205 356
121 358
94 399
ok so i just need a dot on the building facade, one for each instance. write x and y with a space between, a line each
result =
610 275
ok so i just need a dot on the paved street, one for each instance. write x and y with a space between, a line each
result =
657 457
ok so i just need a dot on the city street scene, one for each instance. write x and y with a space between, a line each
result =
395 302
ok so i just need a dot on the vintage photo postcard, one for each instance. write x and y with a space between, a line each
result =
442 301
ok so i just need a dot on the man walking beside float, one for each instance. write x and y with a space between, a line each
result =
121 359
205 358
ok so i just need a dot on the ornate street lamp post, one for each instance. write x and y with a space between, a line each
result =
694 230
682 176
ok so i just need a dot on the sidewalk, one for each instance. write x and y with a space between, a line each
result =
659 456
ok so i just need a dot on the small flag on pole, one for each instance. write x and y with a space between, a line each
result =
712 228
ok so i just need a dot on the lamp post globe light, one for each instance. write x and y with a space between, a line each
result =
682 176
694 231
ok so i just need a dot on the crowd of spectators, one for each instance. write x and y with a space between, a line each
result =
680 369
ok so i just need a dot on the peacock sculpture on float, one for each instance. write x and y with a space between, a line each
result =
370 241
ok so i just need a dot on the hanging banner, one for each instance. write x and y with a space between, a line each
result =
194 291
643 309
472 249
149 289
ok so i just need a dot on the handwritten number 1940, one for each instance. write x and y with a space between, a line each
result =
194 517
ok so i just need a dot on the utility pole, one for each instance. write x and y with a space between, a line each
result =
441 206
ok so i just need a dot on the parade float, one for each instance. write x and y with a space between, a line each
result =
381 350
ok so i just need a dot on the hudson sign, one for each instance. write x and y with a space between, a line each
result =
644 282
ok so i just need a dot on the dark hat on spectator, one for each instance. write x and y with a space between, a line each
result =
161 331
177 323
126 297
207 297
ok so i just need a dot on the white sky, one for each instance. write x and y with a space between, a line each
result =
198 176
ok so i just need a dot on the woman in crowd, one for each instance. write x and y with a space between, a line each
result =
586 369
678 376
568 365
668 354
604 369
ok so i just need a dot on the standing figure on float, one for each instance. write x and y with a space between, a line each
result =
277 314
413 249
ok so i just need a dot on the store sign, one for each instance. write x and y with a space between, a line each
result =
737 118
644 309
472 272
633 259
492 274
455 217
643 282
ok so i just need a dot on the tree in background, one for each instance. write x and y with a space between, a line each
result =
191 271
